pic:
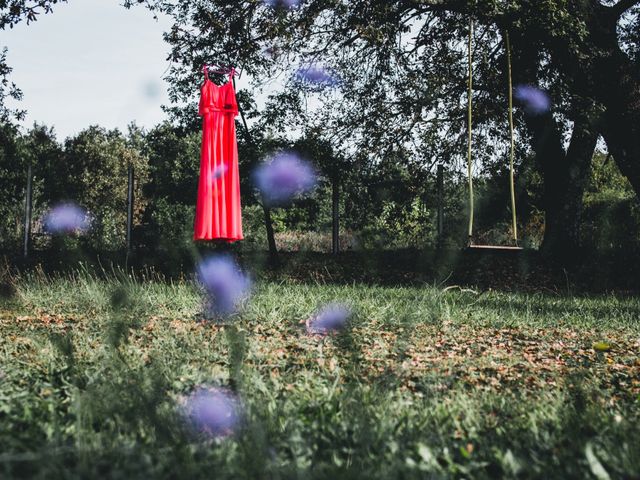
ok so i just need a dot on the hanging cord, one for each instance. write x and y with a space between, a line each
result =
273 251
512 153
247 133
469 126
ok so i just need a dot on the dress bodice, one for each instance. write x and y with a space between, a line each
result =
214 98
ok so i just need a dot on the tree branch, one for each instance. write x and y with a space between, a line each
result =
622 6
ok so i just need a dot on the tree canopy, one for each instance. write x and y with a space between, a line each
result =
401 67
401 77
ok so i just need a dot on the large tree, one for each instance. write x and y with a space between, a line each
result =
403 73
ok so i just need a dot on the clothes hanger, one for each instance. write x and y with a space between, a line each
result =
221 69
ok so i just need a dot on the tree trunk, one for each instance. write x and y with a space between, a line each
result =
621 132
564 172
271 239
565 175
615 82
603 72
564 194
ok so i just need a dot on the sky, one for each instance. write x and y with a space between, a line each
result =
90 62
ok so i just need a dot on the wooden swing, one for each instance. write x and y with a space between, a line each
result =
471 245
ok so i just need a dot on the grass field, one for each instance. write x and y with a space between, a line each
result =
425 382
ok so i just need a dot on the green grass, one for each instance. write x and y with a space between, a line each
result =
425 383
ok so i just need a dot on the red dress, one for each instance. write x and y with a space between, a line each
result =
218 214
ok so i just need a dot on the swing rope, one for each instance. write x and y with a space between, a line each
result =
469 126
513 147
514 223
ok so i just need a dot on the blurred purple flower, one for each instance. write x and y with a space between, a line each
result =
214 412
330 318
219 171
533 100
272 52
316 74
284 177
224 283
288 4
66 218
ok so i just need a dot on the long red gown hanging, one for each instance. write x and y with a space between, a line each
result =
218 214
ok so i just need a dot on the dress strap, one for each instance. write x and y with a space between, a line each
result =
205 70
232 74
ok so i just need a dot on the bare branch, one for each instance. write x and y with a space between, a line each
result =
622 6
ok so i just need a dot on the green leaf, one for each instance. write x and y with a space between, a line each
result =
601 347
594 464
425 454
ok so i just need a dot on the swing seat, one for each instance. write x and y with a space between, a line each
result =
494 247
470 245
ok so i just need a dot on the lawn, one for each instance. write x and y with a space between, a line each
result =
425 382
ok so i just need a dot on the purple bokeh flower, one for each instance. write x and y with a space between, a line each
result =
225 285
219 171
66 218
288 4
214 412
284 177
271 52
330 318
316 75
533 100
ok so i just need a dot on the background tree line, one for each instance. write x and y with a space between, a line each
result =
388 206
403 77
399 108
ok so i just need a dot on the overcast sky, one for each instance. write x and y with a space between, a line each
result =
90 62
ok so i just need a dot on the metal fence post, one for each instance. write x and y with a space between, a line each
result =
440 193
27 212
335 194
129 209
